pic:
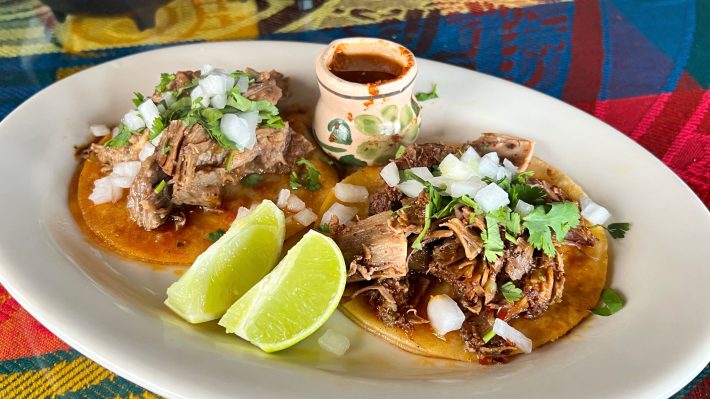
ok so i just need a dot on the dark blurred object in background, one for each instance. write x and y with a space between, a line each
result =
141 11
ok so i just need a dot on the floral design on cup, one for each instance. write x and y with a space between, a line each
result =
362 122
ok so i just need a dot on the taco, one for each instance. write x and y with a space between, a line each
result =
518 261
177 170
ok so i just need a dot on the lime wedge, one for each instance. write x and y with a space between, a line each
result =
294 300
231 266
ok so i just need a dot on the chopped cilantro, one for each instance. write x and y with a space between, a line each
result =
422 96
160 187
309 179
510 292
489 336
417 244
561 217
121 138
492 244
611 302
400 152
230 160
157 128
215 235
165 79
166 149
138 98
324 228
508 219
533 195
251 180
618 230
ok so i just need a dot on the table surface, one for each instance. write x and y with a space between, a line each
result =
641 66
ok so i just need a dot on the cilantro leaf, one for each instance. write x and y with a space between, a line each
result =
309 179
561 217
238 101
508 219
533 195
165 79
138 99
618 230
121 138
215 235
611 302
324 228
510 292
157 128
251 180
422 96
492 244
400 152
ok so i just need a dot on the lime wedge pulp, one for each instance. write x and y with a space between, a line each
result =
231 266
294 300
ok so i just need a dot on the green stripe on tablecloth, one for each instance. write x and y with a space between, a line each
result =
37 362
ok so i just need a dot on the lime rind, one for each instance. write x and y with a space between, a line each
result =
230 266
294 300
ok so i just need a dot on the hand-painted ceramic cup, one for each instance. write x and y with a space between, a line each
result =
366 109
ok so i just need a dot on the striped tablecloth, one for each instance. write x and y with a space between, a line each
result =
641 66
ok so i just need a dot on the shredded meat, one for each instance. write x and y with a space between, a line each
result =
387 199
581 235
517 150
373 249
269 86
553 193
518 259
427 155
146 207
472 244
110 156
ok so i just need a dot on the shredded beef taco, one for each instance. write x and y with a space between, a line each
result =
471 252
179 167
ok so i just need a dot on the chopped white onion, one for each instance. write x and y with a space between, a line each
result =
104 191
198 92
243 84
345 214
491 197
251 117
114 131
295 204
161 108
99 130
206 69
283 198
411 188
350 192
523 208
219 101
593 212
441 182
470 157
149 112
444 314
505 331
469 187
422 173
169 98
133 121
124 173
488 165
156 139
504 172
334 342
509 165
242 211
305 217
452 168
237 130
147 150
215 84
390 174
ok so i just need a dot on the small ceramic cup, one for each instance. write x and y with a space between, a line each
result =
365 123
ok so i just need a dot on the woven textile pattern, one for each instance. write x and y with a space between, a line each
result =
641 66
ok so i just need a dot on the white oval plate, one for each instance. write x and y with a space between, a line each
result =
111 310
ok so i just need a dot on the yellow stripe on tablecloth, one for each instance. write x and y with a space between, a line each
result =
144 395
448 7
59 379
30 32
357 12
178 21
28 49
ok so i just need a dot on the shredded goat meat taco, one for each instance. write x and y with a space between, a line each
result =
518 260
